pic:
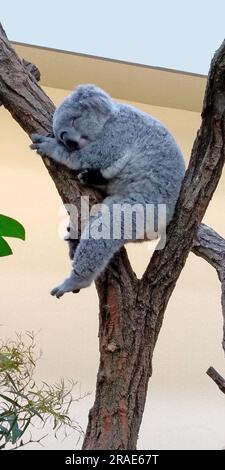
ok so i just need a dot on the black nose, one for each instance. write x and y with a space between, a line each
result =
71 144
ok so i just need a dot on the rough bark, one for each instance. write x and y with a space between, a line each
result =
217 378
211 246
131 310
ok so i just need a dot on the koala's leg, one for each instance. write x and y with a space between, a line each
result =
106 233
72 243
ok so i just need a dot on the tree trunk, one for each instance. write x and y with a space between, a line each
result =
131 310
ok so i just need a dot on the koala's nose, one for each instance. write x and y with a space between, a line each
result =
71 144
68 142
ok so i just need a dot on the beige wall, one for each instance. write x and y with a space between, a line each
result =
184 409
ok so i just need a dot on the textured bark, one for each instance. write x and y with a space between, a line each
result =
211 246
32 69
131 310
217 378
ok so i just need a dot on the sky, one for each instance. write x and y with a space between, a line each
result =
180 35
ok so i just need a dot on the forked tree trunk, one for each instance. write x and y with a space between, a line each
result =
131 310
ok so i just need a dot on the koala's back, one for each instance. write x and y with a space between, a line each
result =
155 164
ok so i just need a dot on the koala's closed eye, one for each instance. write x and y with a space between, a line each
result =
73 120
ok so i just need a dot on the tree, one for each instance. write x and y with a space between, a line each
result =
128 331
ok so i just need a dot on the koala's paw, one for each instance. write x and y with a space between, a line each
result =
67 286
42 144
83 177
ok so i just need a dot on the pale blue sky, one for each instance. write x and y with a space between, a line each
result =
175 34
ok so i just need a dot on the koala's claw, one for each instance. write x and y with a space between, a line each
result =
38 138
67 286
44 145
57 292
38 148
83 177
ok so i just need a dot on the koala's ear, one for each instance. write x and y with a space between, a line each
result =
101 104
92 97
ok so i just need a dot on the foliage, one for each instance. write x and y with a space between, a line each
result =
9 228
23 403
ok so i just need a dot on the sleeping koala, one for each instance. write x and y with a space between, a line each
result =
123 150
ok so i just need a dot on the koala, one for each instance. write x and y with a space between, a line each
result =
127 153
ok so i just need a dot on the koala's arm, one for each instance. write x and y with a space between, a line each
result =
50 147
103 154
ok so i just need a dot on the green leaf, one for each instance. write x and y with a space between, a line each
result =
16 431
11 228
5 249
25 426
5 362
13 433
9 400
10 380
3 430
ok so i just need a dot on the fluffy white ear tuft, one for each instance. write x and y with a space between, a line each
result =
91 96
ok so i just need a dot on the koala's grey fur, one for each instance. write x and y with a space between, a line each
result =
137 157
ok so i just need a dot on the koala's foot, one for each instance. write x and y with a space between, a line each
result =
83 177
71 284
90 177
66 286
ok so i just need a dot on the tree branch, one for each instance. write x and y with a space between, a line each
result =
30 68
201 179
217 378
211 246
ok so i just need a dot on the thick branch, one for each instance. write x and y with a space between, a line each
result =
202 176
30 68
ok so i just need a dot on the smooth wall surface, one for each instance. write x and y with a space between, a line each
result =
184 409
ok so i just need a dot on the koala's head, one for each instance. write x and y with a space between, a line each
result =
81 116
